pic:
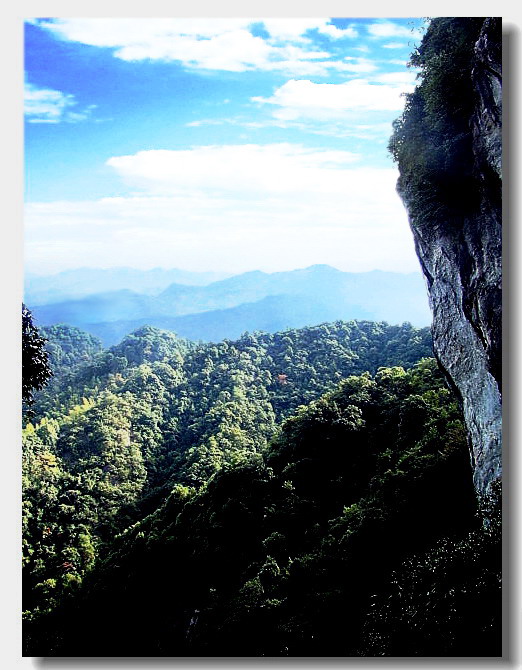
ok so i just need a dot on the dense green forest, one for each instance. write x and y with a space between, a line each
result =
265 496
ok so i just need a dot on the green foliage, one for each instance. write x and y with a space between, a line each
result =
256 497
118 429
100 447
283 556
151 345
68 347
432 140
444 601
35 360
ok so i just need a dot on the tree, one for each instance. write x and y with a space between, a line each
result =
35 361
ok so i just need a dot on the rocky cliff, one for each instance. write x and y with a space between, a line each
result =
448 147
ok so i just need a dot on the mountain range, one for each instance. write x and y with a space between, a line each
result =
228 307
80 282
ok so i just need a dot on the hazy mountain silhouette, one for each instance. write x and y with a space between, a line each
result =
81 282
228 307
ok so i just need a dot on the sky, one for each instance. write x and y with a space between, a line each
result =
215 144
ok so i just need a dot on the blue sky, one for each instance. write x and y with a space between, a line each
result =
215 144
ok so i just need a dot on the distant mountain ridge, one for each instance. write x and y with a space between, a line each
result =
250 301
271 314
81 282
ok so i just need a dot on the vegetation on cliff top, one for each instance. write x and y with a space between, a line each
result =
432 140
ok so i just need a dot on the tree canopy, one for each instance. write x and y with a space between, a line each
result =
256 497
36 370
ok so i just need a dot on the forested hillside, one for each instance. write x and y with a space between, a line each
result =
255 497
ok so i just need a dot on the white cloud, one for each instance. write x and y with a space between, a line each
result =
404 80
395 45
208 122
360 65
245 169
120 32
339 33
294 29
312 206
341 127
235 50
387 29
211 44
306 99
45 105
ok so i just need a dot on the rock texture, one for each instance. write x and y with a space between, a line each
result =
460 251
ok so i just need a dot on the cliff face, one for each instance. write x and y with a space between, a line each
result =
455 214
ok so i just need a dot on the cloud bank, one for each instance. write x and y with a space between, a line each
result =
241 207
233 45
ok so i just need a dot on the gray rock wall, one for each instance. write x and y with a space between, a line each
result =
460 254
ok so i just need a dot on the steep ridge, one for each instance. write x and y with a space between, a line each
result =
448 147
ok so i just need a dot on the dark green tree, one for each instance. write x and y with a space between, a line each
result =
35 360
